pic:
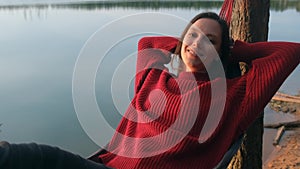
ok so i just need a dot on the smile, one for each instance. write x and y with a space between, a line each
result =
193 53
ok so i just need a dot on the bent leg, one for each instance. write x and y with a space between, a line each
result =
34 156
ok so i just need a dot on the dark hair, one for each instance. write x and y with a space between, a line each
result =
226 40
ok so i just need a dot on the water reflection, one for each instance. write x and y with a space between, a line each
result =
41 10
276 5
281 5
272 117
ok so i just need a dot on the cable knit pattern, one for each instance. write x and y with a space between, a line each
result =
161 98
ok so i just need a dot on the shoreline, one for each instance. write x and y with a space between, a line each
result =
285 155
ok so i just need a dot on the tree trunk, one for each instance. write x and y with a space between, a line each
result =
249 23
250 19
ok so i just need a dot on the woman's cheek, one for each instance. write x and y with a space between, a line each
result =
187 41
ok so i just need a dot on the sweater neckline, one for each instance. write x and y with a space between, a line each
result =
198 76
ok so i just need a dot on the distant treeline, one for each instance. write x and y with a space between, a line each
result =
148 4
277 5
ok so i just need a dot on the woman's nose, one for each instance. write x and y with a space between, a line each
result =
197 43
201 42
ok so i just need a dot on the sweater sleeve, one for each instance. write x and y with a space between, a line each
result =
271 64
153 52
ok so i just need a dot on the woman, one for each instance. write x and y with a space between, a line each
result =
184 121
209 121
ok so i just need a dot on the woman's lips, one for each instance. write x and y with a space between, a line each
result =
193 54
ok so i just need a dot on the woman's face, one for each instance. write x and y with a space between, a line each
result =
201 45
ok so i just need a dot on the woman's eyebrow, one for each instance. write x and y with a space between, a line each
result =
211 35
195 28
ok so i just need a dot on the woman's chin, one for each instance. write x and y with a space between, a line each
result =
197 68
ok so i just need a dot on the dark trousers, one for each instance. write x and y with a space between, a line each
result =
34 156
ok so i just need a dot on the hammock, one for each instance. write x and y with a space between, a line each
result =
226 11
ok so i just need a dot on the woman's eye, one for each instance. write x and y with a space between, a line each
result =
193 34
212 41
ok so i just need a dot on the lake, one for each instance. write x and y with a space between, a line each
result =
40 45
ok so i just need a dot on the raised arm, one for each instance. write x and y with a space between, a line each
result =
247 52
270 64
153 52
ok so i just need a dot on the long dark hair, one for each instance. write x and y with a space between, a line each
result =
225 44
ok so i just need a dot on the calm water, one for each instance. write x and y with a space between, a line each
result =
38 52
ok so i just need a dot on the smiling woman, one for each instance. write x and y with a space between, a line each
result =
187 96
208 39
197 50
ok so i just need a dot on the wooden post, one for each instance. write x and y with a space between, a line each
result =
249 23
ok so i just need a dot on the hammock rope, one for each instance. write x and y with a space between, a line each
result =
226 11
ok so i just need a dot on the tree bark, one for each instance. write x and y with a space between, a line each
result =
250 19
249 23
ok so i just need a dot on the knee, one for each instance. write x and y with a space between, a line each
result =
4 147
4 144
4 153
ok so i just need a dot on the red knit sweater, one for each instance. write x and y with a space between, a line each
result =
151 115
